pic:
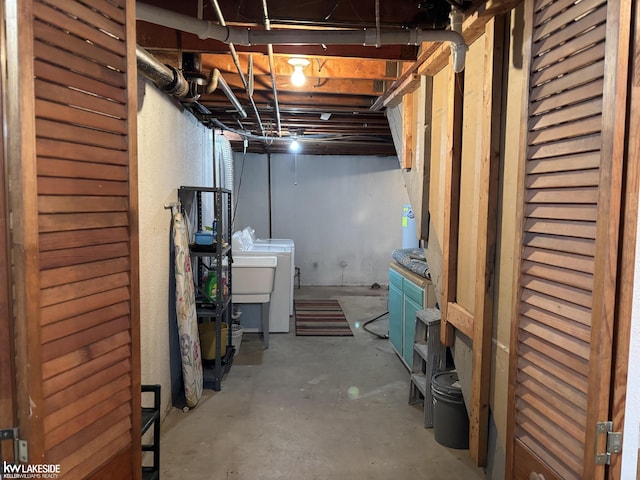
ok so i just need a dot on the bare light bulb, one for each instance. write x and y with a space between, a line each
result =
298 78
294 146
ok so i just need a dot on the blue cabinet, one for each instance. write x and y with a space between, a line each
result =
408 293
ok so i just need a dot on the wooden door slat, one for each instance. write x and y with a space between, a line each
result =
60 311
569 81
570 64
582 212
67 396
575 29
76 273
81 203
85 402
71 360
547 361
559 418
78 64
64 95
561 227
567 114
580 178
98 21
560 340
75 27
566 147
74 186
84 238
551 10
575 247
572 278
81 221
78 255
558 258
569 163
87 136
528 384
72 291
569 130
63 113
557 322
85 419
588 91
76 375
54 74
50 148
558 290
110 9
557 306
79 46
578 195
572 396
567 17
577 44
69 450
49 167
78 323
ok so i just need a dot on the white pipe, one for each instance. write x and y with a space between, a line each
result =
244 36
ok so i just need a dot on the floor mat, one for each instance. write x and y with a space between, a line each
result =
321 318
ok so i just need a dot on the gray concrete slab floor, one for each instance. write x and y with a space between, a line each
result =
321 408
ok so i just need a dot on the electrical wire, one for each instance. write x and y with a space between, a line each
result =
364 326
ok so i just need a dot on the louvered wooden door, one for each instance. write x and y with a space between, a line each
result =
74 208
562 336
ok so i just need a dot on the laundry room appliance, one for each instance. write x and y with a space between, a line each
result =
282 295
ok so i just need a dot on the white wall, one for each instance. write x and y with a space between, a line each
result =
344 213
631 439
173 150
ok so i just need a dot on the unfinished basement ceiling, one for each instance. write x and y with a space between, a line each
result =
331 112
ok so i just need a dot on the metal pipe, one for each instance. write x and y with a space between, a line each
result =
267 26
236 61
243 36
217 80
166 78
171 80
378 23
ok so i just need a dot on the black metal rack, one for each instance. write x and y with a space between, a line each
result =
151 417
216 258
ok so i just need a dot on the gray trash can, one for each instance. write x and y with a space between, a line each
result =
450 420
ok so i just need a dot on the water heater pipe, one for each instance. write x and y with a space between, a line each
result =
244 36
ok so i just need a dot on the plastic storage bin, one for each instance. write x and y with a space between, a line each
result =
450 420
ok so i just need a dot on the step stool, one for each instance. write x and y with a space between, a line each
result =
428 353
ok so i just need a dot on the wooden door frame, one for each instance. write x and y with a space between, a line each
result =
7 367
614 264
628 244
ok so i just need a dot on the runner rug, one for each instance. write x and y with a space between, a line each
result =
321 318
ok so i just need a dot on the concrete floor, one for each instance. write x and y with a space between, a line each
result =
312 408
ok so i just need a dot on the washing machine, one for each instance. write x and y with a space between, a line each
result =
249 238
282 295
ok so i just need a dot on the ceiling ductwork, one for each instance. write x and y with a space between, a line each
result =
244 36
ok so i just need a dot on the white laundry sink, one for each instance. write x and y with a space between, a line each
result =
253 278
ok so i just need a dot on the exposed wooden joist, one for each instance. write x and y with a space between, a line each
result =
317 68
406 157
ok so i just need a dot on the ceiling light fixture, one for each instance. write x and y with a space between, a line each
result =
294 146
298 78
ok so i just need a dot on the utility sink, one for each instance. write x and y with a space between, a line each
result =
253 278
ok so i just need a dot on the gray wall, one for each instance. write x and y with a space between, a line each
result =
344 213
